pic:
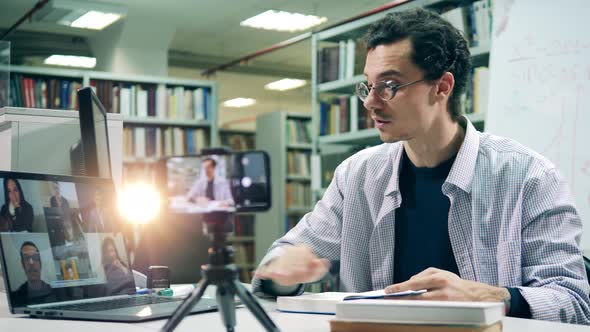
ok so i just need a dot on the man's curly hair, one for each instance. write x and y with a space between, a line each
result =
438 47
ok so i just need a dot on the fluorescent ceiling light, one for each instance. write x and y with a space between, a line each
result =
283 21
239 102
285 84
86 14
95 20
71 61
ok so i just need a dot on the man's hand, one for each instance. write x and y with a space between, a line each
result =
297 265
446 286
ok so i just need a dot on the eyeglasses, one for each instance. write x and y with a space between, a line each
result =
34 258
386 90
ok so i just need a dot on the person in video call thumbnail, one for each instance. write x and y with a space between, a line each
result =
16 215
34 290
118 275
57 200
210 187
98 218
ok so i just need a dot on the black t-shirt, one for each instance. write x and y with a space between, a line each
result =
421 222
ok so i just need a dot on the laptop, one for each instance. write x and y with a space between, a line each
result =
64 255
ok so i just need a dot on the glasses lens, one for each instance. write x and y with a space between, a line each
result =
362 91
385 91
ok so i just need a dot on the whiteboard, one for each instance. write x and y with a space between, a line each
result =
540 86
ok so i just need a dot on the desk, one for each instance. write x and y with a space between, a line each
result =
245 322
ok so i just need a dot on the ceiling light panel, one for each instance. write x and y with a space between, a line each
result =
283 21
285 84
239 102
85 14
71 61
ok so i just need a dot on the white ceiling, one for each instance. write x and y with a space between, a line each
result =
210 30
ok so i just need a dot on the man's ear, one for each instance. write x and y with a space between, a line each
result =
445 85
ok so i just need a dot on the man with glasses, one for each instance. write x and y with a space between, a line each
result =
468 216
34 290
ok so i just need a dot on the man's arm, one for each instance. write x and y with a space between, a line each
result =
320 230
554 279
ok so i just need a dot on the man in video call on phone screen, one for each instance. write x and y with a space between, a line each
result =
466 215
210 188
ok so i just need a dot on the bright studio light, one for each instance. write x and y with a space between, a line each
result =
139 203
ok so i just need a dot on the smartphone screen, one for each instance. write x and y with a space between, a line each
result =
216 182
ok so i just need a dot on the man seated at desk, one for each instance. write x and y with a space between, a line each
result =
210 190
469 216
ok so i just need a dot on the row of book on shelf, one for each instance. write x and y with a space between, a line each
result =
154 100
298 163
474 20
157 142
237 142
298 195
43 92
141 100
343 60
298 131
343 114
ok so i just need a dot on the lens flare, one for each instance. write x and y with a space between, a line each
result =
139 203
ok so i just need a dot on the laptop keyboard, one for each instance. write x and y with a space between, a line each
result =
134 301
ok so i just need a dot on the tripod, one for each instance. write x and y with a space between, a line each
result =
222 273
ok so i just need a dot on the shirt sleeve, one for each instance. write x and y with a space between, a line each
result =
554 280
320 229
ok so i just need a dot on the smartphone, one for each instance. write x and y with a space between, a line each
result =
226 181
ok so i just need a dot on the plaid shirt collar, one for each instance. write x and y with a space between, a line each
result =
463 170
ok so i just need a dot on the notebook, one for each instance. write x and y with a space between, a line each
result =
64 254
325 303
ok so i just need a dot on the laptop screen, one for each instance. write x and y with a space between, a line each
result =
61 239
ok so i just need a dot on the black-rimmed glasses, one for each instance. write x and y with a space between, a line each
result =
386 90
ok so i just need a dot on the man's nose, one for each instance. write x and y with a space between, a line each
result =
372 101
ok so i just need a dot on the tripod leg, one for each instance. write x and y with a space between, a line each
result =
255 308
227 307
185 307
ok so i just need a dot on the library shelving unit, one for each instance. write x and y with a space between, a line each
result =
243 239
340 124
237 139
287 139
161 115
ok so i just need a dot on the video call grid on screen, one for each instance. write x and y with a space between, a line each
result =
64 233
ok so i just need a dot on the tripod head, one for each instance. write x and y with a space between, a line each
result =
218 225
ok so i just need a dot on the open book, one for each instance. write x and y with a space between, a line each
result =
325 303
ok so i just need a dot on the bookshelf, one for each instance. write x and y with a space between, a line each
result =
161 115
243 239
237 140
287 139
340 124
